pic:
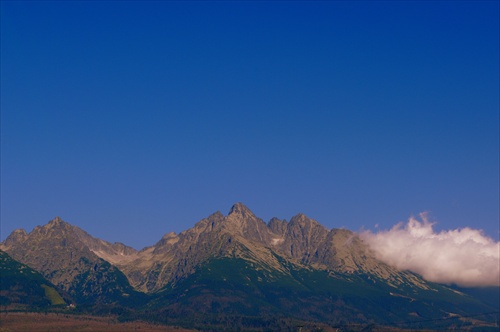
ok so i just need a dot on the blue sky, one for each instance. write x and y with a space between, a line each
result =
134 119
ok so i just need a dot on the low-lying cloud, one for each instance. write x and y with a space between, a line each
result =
465 256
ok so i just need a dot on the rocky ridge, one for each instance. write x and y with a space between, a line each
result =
69 258
61 251
241 234
234 268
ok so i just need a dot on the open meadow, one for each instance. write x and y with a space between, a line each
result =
44 322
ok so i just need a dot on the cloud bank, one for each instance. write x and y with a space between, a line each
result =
465 257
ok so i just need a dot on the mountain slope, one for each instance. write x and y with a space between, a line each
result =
241 234
65 255
22 286
237 266
224 292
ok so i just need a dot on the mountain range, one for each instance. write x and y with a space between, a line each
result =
236 271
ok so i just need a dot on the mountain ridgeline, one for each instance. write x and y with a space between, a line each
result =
233 271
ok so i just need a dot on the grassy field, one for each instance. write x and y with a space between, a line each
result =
53 295
51 322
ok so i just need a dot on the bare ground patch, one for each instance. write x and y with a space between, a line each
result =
55 322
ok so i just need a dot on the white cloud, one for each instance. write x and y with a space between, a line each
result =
465 257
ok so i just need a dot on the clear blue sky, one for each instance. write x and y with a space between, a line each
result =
134 119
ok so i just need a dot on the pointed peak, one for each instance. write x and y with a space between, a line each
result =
299 216
275 220
169 235
19 231
17 236
276 225
57 222
240 209
302 219
216 215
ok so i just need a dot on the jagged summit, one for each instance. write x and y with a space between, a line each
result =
302 219
241 209
57 219
169 235
17 236
57 222
55 250
301 240
305 225
19 232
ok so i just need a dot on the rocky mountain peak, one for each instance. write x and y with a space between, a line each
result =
216 217
57 222
168 239
242 221
169 236
304 221
277 226
17 236
241 210
20 232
